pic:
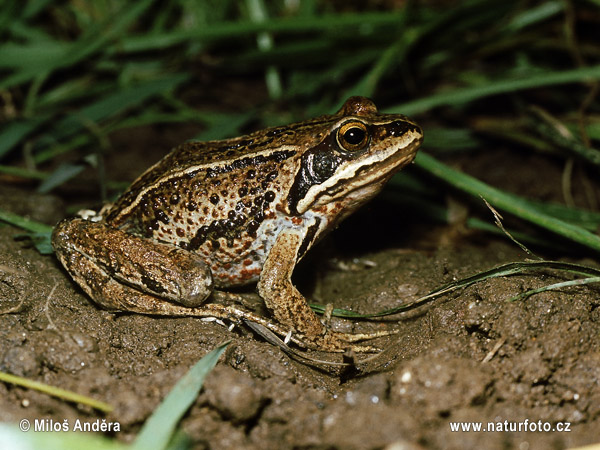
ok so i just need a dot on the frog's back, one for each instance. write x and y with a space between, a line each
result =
212 197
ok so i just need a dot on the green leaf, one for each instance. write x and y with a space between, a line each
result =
63 394
16 132
468 94
507 202
63 173
159 428
24 223
117 102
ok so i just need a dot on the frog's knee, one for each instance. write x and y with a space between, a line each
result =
196 282
61 232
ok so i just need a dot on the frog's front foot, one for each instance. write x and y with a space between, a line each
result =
291 309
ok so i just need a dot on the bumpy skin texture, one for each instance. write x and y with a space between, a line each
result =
228 213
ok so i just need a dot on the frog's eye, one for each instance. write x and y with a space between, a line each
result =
353 136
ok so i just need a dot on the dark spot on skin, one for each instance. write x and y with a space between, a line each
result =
198 239
180 232
191 205
271 176
153 285
258 200
253 226
162 216
269 196
275 131
174 199
231 214
251 174
214 199
243 191
215 244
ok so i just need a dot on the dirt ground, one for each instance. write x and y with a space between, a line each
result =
468 357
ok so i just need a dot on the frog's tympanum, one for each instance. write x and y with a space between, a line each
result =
215 215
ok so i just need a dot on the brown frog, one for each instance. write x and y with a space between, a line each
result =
220 214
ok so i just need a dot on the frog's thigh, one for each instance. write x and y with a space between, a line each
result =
94 252
278 292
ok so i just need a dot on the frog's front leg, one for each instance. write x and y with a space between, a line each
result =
291 308
98 256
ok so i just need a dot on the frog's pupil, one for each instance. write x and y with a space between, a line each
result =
354 136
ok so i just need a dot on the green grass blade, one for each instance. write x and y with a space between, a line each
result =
555 286
24 223
292 25
66 54
467 94
119 101
40 234
507 202
63 394
504 270
63 173
17 132
535 15
159 428
23 173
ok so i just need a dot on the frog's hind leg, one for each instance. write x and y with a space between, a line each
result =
159 269
115 296
122 272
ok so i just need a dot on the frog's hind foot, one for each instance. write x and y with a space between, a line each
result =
337 342
367 336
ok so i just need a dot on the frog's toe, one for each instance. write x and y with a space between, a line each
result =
348 337
334 341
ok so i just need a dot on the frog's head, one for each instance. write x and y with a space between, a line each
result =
359 151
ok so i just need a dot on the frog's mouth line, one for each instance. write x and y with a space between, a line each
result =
374 174
368 178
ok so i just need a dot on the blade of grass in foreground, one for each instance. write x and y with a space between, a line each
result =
22 222
56 392
39 233
507 202
158 429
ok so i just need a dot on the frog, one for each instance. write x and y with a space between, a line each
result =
210 217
